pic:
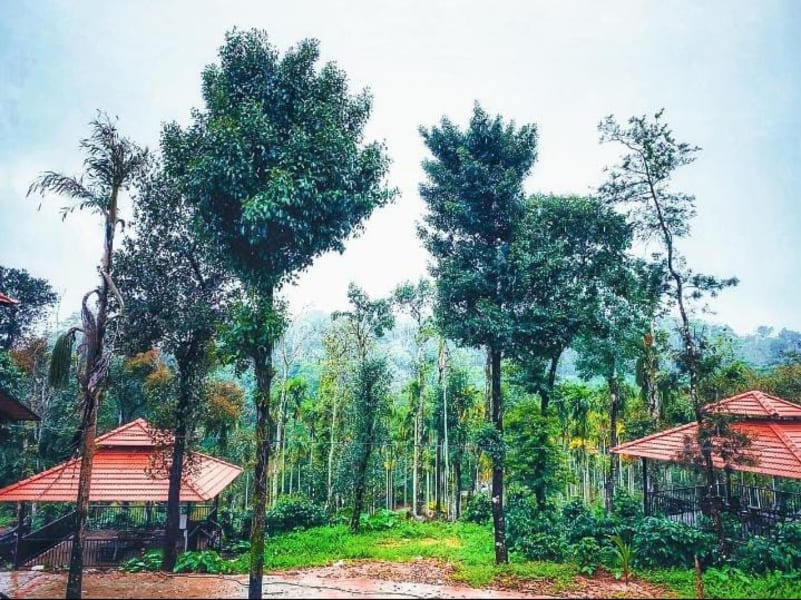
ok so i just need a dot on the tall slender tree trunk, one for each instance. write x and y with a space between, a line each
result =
540 490
445 449
280 438
704 441
417 492
498 516
614 459
264 374
329 503
93 382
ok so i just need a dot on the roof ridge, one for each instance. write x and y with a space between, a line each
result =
761 401
794 450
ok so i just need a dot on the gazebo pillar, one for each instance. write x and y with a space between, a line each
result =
645 504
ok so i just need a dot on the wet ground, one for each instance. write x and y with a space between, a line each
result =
360 579
298 585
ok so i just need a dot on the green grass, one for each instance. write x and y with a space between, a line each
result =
469 549
466 546
727 583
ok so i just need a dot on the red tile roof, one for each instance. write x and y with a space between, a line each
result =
756 404
771 424
7 300
120 473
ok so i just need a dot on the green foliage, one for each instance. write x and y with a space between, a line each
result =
478 509
535 533
763 555
382 520
488 440
292 513
275 163
586 553
203 561
34 296
663 542
533 458
624 553
61 360
474 195
729 582
149 561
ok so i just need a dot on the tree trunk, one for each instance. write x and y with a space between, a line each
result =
540 490
457 487
614 459
264 375
93 382
498 517
176 474
704 442
279 433
329 503
417 492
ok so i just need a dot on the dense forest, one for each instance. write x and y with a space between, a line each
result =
541 339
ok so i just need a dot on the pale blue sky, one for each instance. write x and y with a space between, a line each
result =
728 74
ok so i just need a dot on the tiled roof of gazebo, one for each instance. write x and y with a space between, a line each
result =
772 425
120 472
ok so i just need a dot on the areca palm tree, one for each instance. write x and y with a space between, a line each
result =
111 165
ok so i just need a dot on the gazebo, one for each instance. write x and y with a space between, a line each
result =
128 501
773 427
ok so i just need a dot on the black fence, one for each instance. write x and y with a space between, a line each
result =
98 552
115 532
758 509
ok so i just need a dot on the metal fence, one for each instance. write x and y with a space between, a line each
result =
758 509
116 531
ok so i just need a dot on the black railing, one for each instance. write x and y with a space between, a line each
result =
121 516
99 551
44 538
115 532
758 509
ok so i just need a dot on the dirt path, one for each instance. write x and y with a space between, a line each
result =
365 579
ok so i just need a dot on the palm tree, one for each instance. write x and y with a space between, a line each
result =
111 165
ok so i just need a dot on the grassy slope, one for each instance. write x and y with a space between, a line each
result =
469 549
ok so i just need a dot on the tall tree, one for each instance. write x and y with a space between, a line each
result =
474 195
640 184
416 300
566 251
175 297
278 171
34 295
366 321
112 164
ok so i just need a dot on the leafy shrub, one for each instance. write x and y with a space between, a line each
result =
381 521
149 561
662 542
204 561
478 509
538 535
587 554
237 547
293 513
627 506
540 545
762 555
580 522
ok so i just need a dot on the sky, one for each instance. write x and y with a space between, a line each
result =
728 74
